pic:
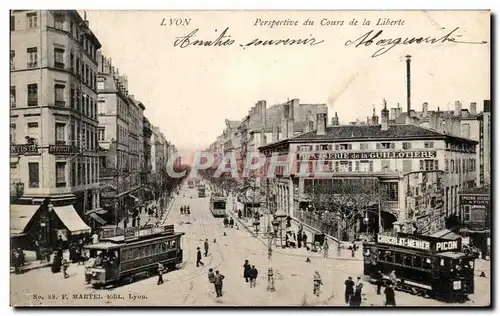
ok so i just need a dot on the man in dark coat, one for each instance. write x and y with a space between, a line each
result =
390 298
198 257
246 270
239 214
253 276
218 283
231 222
304 240
206 247
299 239
379 281
349 289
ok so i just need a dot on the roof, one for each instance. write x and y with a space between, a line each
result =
451 254
101 246
445 234
370 132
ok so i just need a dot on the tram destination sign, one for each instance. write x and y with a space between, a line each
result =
368 155
425 243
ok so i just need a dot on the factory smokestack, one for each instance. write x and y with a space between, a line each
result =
408 84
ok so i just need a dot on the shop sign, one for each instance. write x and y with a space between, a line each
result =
23 149
62 149
431 244
475 199
369 155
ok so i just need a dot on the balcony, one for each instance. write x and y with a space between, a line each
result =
59 65
32 65
60 103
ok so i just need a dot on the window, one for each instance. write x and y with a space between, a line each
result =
86 74
60 133
59 95
72 97
429 164
33 94
390 191
32 57
343 147
407 165
406 145
59 58
428 144
60 174
446 165
32 20
323 147
12 23
385 145
33 171
386 165
12 97
13 133
78 66
466 213
466 130
72 62
364 146
12 57
100 86
59 21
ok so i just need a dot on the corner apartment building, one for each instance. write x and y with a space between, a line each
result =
53 131
420 171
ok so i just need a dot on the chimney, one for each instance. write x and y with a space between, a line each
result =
335 120
384 117
284 128
458 108
473 108
286 110
368 121
425 109
295 109
263 138
263 112
275 136
392 115
487 106
408 84
398 111
321 123
374 117
291 128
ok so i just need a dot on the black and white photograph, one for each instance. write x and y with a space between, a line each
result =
250 158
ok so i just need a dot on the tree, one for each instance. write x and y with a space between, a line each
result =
344 200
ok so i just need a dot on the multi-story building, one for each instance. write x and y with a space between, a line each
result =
53 96
419 171
146 162
119 147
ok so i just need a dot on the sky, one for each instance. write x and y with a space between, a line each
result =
189 92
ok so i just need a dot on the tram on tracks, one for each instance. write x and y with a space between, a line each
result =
218 205
137 251
423 265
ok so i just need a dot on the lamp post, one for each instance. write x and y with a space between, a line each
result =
256 223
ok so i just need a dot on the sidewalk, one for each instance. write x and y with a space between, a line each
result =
333 253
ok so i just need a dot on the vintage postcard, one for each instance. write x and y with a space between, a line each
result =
250 158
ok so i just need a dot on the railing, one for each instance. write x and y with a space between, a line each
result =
326 223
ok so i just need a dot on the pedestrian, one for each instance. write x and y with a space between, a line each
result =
356 298
246 270
379 281
349 289
393 278
231 222
304 239
325 248
253 276
353 250
390 295
218 283
188 210
211 277
160 268
206 247
299 239
317 282
198 257
225 221
182 210
65 265
239 214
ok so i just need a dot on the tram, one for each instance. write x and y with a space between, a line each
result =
218 205
136 252
422 264
201 191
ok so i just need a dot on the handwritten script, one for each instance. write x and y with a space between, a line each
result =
224 39
386 44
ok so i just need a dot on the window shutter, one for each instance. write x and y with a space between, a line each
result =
378 145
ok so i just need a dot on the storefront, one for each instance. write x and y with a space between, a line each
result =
475 218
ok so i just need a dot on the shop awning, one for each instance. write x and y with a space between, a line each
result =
20 216
97 218
71 219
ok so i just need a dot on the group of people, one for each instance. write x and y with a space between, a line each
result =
185 210
228 222
353 290
250 273
17 260
216 279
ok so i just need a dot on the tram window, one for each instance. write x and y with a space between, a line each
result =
173 244
417 262
427 263
142 252
398 258
471 264
380 254
407 260
389 257
441 262
164 246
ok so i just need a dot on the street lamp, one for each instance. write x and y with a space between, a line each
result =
256 223
276 225
366 219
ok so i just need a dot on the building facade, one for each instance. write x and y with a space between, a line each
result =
419 171
53 96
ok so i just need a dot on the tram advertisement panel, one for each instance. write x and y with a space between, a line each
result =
425 243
